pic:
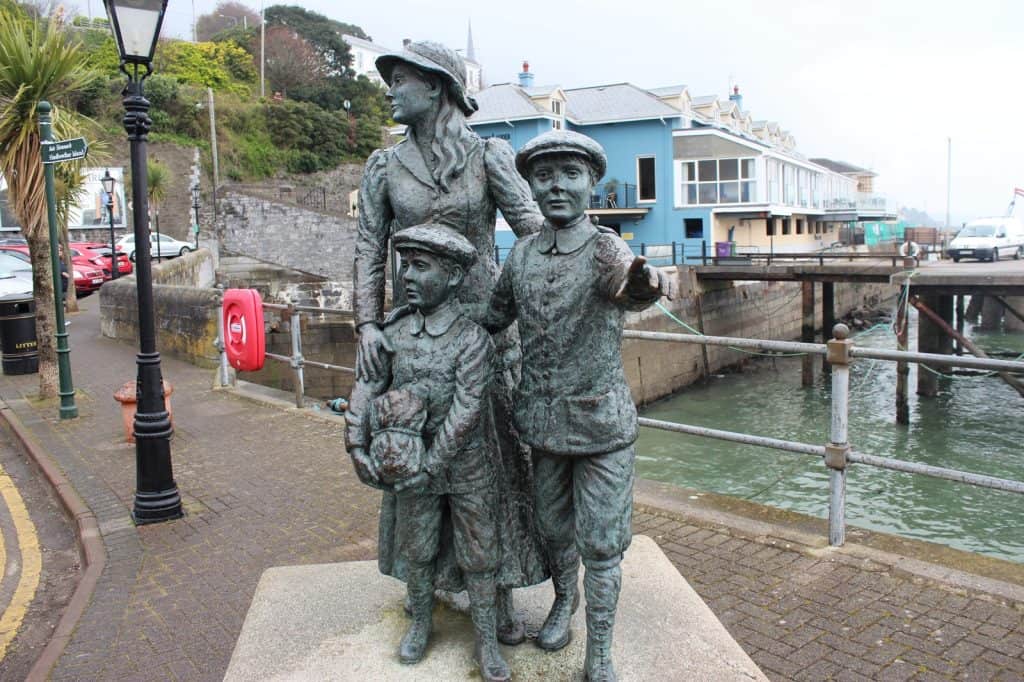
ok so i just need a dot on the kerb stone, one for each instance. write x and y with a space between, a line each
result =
344 621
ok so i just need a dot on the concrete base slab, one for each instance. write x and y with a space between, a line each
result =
344 621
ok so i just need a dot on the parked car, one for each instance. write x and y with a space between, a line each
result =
988 239
15 275
99 256
87 277
168 246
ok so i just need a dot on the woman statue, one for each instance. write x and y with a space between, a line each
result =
442 172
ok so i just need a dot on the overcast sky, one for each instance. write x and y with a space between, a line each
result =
877 83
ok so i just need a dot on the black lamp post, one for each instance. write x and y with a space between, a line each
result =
195 212
136 27
108 188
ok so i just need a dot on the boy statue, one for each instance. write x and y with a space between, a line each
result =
421 430
569 287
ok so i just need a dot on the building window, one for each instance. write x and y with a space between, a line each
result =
556 107
785 226
645 179
716 181
799 225
769 227
557 125
694 228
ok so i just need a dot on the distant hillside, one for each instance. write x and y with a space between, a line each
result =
917 218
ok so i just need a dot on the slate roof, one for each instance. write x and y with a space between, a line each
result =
667 90
540 90
617 102
704 100
842 166
502 102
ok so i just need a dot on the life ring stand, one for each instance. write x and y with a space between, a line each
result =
910 249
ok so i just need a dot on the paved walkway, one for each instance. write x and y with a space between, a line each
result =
265 486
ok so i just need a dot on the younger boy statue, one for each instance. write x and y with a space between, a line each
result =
569 287
422 431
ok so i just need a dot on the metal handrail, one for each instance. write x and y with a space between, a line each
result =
837 453
296 359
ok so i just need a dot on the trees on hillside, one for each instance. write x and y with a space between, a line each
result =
291 62
38 61
228 15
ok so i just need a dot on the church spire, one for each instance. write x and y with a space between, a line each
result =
470 50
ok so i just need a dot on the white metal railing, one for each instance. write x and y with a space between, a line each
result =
837 453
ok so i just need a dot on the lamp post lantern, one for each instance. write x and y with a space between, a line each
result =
108 188
195 212
136 27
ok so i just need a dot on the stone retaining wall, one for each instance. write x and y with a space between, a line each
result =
309 241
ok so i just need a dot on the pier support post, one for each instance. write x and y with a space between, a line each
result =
959 323
1013 320
902 366
974 307
931 338
807 332
838 448
828 316
928 340
991 313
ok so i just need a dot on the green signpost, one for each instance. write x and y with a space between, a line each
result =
55 152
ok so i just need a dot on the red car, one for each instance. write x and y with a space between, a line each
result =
98 256
88 278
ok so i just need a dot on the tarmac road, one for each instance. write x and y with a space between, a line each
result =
39 560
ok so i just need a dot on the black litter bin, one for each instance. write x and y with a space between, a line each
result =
18 335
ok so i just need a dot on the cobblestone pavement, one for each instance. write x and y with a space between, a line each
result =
265 486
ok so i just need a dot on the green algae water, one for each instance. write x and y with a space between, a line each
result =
975 424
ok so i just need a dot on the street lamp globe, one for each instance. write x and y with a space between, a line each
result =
108 184
136 26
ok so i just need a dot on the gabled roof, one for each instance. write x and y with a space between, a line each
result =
360 42
705 100
617 102
843 167
667 90
541 90
503 102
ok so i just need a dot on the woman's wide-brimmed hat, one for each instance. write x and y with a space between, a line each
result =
435 58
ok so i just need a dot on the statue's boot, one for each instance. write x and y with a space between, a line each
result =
555 632
493 667
420 599
601 584
511 630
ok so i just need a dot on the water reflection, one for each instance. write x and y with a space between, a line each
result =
974 425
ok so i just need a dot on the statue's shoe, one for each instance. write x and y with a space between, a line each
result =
414 643
493 667
555 633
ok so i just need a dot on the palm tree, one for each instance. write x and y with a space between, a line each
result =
38 61
157 177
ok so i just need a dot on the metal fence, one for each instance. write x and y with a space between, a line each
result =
732 253
296 360
839 352
837 453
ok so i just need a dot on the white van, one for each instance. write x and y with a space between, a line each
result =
988 239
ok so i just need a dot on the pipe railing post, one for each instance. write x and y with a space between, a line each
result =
674 253
296 363
703 252
223 375
838 448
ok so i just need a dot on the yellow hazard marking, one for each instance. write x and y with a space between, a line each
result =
31 563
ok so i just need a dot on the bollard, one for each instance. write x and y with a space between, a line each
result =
838 448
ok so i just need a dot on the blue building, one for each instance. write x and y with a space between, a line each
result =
685 173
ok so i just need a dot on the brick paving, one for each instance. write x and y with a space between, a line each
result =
264 486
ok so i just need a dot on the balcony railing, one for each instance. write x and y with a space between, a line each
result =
623 196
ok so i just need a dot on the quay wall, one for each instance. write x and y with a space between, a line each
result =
762 310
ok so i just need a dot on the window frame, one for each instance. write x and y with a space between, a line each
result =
682 186
654 179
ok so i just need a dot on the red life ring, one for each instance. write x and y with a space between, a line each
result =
245 341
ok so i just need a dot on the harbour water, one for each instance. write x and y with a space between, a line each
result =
975 424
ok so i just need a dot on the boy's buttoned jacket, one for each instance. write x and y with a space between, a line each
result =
565 289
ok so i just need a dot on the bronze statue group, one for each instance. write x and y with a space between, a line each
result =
490 406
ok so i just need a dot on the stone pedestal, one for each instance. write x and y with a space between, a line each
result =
344 622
